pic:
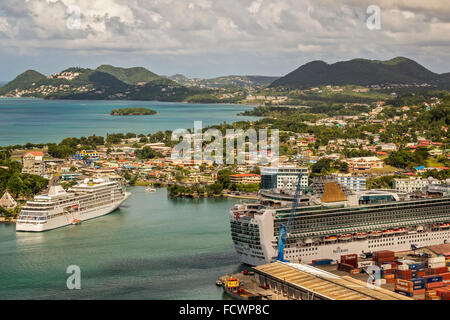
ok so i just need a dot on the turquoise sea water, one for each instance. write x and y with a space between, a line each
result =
42 121
152 248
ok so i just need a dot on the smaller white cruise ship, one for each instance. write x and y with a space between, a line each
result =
91 199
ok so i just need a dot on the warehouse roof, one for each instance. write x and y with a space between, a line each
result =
325 286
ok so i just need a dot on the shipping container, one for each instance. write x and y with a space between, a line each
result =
442 291
365 264
438 270
384 253
434 285
403 267
320 262
418 281
432 278
408 294
380 282
355 271
349 257
445 276
436 259
419 292
386 266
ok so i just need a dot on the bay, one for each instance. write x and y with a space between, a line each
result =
24 120
152 248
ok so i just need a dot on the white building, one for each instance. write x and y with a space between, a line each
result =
410 185
33 163
283 177
354 183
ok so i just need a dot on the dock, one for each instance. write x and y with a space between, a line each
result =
289 281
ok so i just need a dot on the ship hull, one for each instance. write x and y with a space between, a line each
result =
65 220
334 251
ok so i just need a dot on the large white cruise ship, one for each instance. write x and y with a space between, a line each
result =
328 225
90 199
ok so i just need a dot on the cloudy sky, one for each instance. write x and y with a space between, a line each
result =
206 38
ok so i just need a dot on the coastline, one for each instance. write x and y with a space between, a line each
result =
135 100
7 221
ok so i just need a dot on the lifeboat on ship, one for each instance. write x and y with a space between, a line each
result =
361 235
376 233
401 230
388 231
331 238
346 237
444 225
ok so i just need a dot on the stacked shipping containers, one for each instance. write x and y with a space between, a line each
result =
384 256
413 279
423 281
414 288
349 263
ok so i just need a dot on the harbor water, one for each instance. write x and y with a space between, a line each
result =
41 121
154 247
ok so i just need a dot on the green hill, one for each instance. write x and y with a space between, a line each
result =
362 72
133 76
23 81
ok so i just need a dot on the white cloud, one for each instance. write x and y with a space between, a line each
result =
313 29
255 6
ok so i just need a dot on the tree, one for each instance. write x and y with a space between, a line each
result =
343 166
400 159
147 153
421 155
15 185
323 166
60 151
215 188
384 182
223 177
256 170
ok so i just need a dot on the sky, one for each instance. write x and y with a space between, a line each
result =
209 38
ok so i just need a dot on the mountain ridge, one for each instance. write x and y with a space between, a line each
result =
230 81
358 72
